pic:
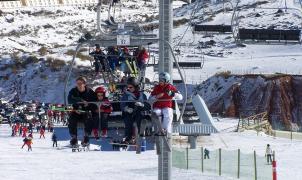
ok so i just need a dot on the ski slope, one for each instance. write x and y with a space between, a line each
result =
48 163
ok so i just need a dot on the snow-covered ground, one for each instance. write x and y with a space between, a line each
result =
288 152
48 163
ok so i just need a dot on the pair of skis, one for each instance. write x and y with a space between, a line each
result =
132 67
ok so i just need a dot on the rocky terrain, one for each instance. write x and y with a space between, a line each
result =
245 95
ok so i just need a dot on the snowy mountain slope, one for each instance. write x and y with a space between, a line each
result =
57 30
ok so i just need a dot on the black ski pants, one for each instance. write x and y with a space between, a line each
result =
75 118
130 119
55 143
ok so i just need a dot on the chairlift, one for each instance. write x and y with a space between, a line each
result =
267 35
113 25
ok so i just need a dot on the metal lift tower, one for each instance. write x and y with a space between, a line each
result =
165 65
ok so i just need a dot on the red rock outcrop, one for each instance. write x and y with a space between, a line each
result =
245 95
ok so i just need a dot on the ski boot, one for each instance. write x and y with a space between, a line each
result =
85 143
96 134
74 144
104 133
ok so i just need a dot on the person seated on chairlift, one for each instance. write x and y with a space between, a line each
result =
162 96
79 97
99 59
101 115
113 57
132 106
142 59
124 55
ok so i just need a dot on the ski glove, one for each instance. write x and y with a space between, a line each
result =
128 110
139 104
171 93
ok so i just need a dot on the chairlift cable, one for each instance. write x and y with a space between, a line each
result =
189 23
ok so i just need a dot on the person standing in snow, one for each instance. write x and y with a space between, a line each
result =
42 132
20 130
24 131
49 115
206 154
27 141
79 97
54 140
162 95
13 130
30 127
268 154
24 142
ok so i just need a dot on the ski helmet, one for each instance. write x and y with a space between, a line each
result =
101 90
133 81
164 76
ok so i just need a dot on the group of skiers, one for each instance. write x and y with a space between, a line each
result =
56 116
25 131
129 62
19 129
134 104
22 129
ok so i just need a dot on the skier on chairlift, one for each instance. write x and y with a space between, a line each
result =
162 96
79 97
123 57
104 111
113 57
133 111
142 59
99 59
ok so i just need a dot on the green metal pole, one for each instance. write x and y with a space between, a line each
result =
187 150
201 159
255 165
238 172
219 161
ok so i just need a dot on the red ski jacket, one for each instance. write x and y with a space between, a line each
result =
106 106
143 56
49 113
163 89
24 130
